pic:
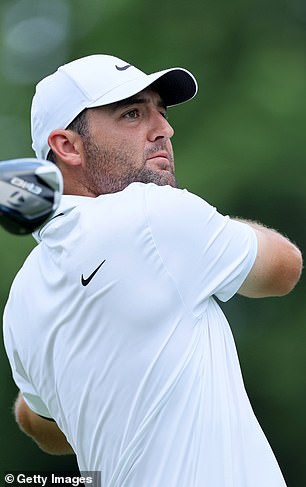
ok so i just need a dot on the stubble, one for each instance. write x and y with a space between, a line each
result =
110 170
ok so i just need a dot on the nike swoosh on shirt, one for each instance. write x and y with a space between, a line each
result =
86 281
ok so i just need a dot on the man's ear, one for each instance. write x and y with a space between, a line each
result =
67 145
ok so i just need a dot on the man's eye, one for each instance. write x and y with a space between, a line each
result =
132 114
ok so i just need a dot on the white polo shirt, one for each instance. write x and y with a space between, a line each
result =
112 329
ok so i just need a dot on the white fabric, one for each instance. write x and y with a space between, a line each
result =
139 367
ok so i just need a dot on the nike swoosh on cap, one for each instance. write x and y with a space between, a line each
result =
86 281
122 68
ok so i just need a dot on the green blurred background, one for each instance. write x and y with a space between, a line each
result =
240 144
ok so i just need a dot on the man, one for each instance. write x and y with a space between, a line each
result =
111 326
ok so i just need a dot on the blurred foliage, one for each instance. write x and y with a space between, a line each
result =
240 144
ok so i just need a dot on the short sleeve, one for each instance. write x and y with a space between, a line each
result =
205 252
20 376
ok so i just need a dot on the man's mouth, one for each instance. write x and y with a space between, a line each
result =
160 160
159 155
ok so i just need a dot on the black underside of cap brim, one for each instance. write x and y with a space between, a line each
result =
175 87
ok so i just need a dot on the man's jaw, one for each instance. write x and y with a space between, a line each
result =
157 172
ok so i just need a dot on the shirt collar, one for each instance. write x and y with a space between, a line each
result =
67 203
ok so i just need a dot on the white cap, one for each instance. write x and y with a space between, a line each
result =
94 81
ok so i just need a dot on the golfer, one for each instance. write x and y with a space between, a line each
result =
112 328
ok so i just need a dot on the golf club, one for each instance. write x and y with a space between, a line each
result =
30 191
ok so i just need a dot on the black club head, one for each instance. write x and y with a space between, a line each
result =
30 191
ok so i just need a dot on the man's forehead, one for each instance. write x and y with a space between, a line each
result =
145 96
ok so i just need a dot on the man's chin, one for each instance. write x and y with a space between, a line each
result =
161 178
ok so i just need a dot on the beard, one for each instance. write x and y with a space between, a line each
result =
112 170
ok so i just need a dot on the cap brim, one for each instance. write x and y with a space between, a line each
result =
175 85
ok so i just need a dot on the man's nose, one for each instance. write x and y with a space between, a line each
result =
159 127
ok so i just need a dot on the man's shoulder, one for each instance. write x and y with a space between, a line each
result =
167 199
138 198
131 194
151 191
138 204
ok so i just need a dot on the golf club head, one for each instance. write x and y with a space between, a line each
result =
30 191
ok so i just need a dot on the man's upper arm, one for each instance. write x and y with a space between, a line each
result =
45 433
205 253
277 267
211 254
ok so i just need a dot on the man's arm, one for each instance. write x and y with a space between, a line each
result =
277 267
45 433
